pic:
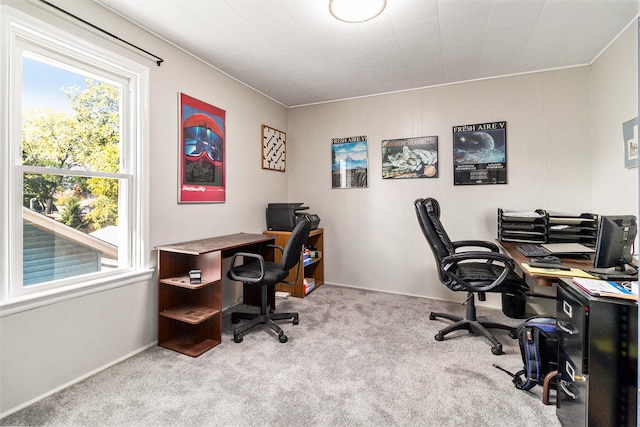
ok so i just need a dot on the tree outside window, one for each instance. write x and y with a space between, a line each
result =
74 148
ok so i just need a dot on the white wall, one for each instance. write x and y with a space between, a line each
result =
614 89
47 348
372 238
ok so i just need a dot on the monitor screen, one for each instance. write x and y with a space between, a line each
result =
614 245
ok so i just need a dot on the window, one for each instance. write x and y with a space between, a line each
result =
72 163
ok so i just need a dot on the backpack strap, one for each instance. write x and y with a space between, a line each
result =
532 368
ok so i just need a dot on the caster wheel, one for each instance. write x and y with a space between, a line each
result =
497 350
513 334
432 316
237 338
283 338
439 337
296 320
234 320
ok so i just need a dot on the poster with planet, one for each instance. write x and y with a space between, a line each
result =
480 153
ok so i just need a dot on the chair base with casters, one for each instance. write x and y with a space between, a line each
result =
474 326
265 317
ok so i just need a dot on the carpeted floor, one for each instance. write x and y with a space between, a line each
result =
356 358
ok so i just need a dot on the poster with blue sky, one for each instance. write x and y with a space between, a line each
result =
349 162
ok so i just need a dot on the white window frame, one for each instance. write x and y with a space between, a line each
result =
61 42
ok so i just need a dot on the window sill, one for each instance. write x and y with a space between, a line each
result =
37 300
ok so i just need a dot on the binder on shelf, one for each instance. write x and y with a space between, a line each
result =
307 260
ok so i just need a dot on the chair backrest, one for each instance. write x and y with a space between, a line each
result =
428 212
291 253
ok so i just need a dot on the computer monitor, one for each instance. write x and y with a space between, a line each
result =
614 245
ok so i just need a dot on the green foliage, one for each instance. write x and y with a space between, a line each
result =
72 214
41 188
89 139
104 213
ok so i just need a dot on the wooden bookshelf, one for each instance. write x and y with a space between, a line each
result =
314 271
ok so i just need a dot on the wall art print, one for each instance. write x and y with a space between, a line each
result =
349 162
410 158
202 152
480 154
274 149
630 135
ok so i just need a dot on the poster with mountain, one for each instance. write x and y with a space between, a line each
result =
349 162
480 154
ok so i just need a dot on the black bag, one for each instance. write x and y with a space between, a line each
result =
539 350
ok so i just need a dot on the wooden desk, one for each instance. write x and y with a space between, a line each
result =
190 315
511 250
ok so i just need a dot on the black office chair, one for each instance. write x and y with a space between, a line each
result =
472 271
264 274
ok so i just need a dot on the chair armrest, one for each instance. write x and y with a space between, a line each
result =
275 247
240 278
480 256
450 262
477 243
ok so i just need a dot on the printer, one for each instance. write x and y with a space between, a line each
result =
285 216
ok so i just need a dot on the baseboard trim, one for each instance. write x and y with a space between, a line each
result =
77 380
455 301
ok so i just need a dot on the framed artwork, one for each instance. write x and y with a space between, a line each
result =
480 154
349 162
630 134
410 158
274 149
202 152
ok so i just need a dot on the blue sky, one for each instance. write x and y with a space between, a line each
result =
42 86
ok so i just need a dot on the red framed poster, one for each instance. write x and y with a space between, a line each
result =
202 152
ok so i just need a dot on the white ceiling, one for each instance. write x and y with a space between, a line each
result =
295 52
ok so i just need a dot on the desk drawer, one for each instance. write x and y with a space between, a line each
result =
572 318
572 394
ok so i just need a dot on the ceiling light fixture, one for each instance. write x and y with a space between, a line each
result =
356 11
